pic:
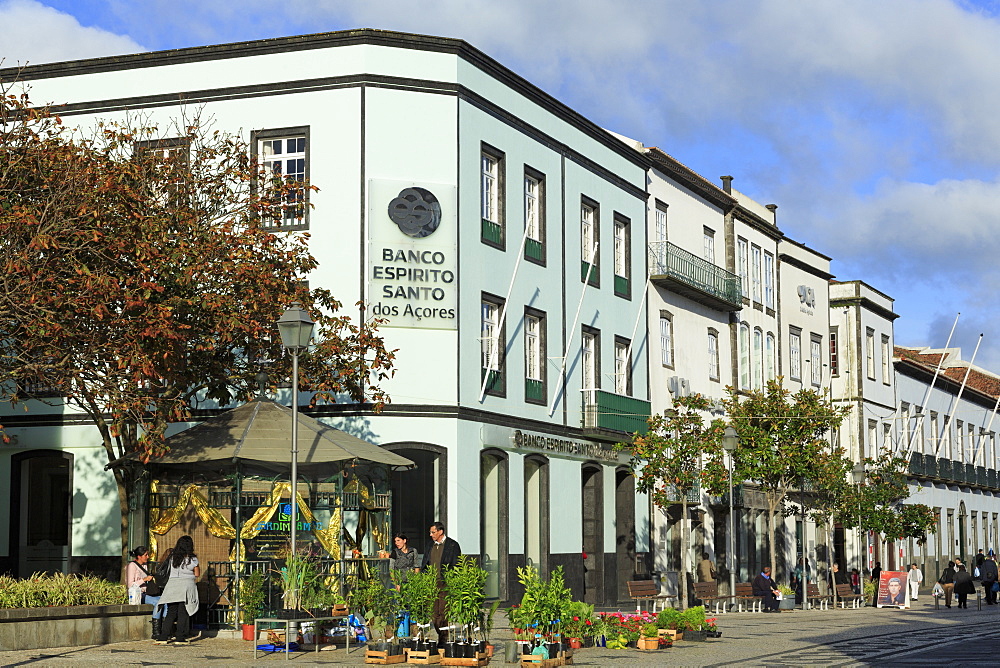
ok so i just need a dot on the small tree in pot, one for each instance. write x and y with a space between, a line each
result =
252 597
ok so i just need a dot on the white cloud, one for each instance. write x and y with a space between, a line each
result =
34 33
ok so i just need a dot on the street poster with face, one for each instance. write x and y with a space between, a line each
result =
892 590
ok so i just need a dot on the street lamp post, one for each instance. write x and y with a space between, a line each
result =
730 440
296 330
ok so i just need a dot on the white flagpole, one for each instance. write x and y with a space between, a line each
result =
954 400
503 311
927 392
569 337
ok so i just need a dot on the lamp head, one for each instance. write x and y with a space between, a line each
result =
730 439
295 328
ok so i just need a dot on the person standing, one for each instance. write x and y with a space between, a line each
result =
764 587
980 558
914 578
855 581
947 582
988 574
963 586
403 558
181 593
706 569
442 553
876 576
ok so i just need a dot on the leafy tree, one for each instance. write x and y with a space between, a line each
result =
674 457
877 503
783 443
143 277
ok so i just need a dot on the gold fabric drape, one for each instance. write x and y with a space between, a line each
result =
217 524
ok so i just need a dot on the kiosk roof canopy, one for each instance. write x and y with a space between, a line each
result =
260 432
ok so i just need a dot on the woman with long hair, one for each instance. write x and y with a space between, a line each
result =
138 576
404 557
181 594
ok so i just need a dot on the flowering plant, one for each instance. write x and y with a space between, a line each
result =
709 625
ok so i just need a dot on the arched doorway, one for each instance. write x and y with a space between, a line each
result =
624 530
536 513
41 503
592 503
419 495
493 507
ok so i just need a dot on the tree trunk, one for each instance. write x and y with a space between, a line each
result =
771 537
682 579
123 505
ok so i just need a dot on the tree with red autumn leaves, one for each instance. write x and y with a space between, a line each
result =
144 277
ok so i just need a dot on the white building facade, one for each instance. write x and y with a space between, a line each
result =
519 365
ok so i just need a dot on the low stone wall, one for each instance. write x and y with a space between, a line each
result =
39 628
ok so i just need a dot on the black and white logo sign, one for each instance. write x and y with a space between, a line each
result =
416 212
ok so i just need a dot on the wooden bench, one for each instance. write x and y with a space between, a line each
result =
846 595
708 593
744 595
813 596
645 590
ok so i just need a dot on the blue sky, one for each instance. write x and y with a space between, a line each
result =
872 125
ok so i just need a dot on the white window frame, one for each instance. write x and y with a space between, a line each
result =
744 356
870 353
708 244
588 215
532 207
795 354
588 354
533 362
290 163
622 367
769 348
755 275
666 339
490 335
758 358
768 280
886 377
816 359
834 352
621 248
489 198
713 355
660 224
743 265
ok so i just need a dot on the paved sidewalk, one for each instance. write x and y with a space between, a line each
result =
920 636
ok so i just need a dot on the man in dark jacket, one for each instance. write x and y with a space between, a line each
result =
988 574
764 587
947 581
963 586
443 553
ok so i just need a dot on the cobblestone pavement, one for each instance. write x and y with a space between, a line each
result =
923 636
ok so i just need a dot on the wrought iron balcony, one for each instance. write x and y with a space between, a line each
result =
606 410
694 277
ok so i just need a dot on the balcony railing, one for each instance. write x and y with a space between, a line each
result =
694 277
606 410
946 470
693 494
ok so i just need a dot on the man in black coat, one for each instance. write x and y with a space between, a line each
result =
443 552
988 574
764 587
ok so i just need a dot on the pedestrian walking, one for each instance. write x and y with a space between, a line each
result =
947 582
181 593
963 586
988 573
442 553
914 579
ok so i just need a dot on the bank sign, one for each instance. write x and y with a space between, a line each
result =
412 254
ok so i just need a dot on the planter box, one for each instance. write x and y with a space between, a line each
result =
73 626
372 656
479 660
695 636
649 643
670 634
422 656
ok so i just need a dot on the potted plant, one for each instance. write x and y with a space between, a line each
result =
787 601
377 604
669 624
417 595
298 575
693 621
252 596
650 638
464 597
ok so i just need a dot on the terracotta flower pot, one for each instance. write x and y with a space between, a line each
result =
576 643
